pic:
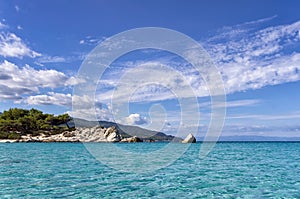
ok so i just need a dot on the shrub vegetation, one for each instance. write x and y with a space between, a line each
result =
16 122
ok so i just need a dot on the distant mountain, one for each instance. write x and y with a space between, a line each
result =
253 138
128 131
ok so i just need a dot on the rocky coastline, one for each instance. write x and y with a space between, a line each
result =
81 134
87 134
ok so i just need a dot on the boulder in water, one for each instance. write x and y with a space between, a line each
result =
189 139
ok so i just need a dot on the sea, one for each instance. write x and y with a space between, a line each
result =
230 170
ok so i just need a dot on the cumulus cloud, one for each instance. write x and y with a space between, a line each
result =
82 106
89 108
16 81
92 114
51 98
136 119
12 46
74 81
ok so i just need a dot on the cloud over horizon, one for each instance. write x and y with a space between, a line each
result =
136 119
15 82
246 56
249 56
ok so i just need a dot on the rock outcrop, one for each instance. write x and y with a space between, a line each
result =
189 139
132 139
112 135
85 134
82 134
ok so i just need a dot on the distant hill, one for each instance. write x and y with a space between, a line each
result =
127 130
253 138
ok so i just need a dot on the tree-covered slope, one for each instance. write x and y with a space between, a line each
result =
16 122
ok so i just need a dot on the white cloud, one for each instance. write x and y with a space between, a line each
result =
242 103
295 115
236 31
51 98
82 102
234 103
92 114
86 107
250 59
45 59
15 81
2 26
19 27
12 46
253 59
17 8
136 119
255 22
151 81
255 76
74 81
51 59
89 40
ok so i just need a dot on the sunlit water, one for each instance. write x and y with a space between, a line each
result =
231 170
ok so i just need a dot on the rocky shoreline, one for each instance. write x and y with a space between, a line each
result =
87 134
83 134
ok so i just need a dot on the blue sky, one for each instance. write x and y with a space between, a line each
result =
254 44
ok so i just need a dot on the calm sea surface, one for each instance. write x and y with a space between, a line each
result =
231 170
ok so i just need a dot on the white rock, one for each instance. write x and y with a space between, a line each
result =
113 137
189 139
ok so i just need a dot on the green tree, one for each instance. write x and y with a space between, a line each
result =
30 121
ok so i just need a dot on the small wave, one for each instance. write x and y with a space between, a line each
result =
12 161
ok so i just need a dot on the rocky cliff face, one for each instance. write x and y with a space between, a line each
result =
87 134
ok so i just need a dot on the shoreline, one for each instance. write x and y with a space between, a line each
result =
96 134
218 142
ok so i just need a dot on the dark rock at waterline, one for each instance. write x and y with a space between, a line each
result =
132 139
189 139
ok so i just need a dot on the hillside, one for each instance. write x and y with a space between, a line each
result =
16 123
127 131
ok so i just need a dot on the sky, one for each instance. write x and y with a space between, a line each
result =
255 46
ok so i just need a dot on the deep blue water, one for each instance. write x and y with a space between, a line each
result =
231 170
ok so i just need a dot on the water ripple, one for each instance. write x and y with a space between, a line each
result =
232 170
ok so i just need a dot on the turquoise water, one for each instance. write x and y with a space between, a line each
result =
231 170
